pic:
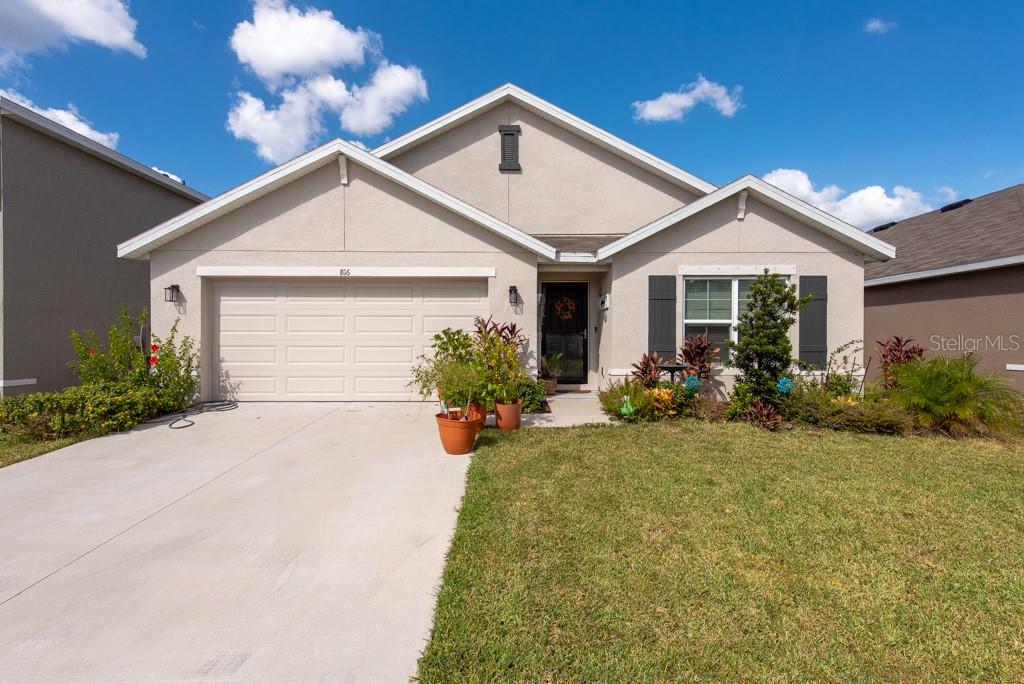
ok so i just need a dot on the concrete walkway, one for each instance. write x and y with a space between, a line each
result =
277 542
569 409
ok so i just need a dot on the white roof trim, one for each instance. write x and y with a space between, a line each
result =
346 272
140 245
49 127
549 111
711 271
946 270
867 244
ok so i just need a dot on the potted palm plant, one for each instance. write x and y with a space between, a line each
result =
551 368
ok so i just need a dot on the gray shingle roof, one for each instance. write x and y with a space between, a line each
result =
989 227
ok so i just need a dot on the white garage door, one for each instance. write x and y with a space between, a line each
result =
317 341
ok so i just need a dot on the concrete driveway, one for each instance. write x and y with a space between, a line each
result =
276 542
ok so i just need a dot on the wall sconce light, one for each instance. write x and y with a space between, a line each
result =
172 293
513 295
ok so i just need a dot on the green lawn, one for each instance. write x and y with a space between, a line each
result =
718 552
13 449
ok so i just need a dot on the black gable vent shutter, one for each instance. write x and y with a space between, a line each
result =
814 321
509 148
661 316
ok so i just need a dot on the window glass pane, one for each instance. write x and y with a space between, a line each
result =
717 334
708 300
744 293
696 299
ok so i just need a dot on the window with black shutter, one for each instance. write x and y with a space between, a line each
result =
509 148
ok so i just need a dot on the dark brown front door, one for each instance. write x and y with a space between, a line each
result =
564 328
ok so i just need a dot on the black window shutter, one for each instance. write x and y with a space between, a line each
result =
661 316
509 148
814 321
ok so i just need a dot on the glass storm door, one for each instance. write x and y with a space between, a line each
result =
564 328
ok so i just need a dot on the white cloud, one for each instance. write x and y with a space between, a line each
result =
280 133
174 177
878 26
865 208
28 26
283 42
66 117
390 92
295 52
674 105
948 193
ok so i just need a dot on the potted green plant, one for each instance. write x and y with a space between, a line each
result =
508 400
460 383
551 368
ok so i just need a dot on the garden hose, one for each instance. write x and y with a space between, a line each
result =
183 419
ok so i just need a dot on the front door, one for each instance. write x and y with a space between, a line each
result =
564 328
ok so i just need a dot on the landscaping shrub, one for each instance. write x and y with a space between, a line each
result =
950 396
533 393
646 371
740 400
763 354
122 385
894 352
764 415
698 353
811 403
85 410
627 400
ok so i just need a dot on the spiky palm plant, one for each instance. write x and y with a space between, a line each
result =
949 395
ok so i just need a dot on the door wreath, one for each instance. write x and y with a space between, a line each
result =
565 308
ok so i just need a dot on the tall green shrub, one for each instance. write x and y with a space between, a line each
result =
764 353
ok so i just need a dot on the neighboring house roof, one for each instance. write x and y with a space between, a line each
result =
548 111
40 123
987 232
867 244
141 245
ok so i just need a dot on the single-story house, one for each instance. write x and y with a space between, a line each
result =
957 285
325 277
65 201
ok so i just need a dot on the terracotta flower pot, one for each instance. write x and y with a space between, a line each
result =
480 410
457 436
508 416
550 386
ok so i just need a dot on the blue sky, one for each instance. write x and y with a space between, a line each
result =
928 99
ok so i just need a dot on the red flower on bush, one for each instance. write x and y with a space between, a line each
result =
92 352
152 360
154 347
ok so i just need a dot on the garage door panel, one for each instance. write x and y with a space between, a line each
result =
331 324
316 355
309 341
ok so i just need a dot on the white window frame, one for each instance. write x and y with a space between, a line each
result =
734 306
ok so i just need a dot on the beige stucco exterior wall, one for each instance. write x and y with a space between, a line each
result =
318 221
567 184
64 212
981 313
716 237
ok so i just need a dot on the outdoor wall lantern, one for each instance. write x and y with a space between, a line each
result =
513 295
172 293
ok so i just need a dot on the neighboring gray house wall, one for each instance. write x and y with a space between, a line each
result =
63 212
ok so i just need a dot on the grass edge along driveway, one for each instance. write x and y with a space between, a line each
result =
719 552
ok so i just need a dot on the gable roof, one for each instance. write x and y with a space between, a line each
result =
865 243
513 93
987 232
141 245
38 122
